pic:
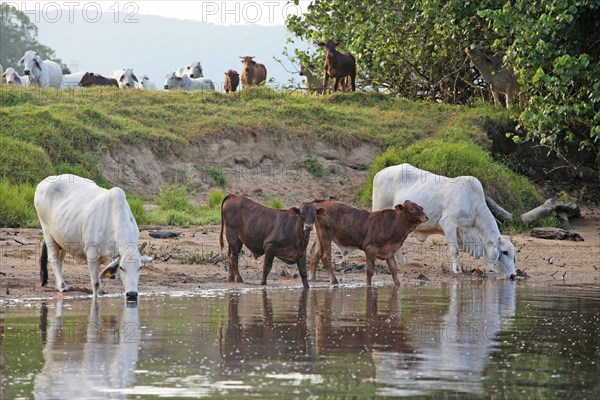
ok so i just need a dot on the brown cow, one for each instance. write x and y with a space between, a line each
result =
338 65
232 80
92 79
252 73
266 231
380 234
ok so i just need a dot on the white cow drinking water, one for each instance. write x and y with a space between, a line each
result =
94 225
42 73
456 208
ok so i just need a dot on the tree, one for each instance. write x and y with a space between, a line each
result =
17 35
416 49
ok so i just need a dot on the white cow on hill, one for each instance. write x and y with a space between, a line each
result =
194 70
125 77
12 78
147 83
172 81
456 208
42 73
71 81
92 224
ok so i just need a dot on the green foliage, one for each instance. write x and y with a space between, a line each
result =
216 173
276 203
510 190
174 198
215 198
137 209
19 34
416 49
314 166
22 162
16 205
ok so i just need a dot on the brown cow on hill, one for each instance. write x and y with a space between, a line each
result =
92 79
232 80
338 65
252 73
380 234
266 231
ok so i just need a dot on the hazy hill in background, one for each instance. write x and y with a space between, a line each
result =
155 45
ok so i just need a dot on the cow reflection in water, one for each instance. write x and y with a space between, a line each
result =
100 368
260 337
450 354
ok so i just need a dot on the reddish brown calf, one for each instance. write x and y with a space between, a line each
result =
380 234
338 65
92 79
232 80
266 231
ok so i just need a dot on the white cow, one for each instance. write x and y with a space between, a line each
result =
71 81
42 73
172 81
456 208
146 83
92 224
125 77
194 70
12 78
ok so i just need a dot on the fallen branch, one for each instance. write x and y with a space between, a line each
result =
500 213
556 234
164 235
551 205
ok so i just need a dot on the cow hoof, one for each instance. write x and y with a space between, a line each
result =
231 279
239 280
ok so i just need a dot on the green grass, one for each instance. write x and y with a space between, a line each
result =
46 132
276 203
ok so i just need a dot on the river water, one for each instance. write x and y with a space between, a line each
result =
490 339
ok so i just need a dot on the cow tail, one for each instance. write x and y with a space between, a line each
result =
44 265
221 243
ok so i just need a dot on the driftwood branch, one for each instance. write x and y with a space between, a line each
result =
556 234
551 205
500 213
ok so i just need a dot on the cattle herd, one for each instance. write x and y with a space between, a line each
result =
96 226
46 73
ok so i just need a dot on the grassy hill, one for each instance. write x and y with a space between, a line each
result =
48 132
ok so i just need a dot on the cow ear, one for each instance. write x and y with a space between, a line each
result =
178 78
399 207
146 259
111 269
294 211
337 44
322 211
321 44
134 78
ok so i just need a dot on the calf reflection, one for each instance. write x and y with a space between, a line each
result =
261 336
93 361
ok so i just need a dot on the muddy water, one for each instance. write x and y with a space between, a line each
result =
457 340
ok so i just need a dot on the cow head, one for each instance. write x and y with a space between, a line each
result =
500 257
172 81
307 213
11 77
195 70
329 46
31 62
128 265
247 61
412 211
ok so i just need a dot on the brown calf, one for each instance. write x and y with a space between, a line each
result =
252 73
92 79
380 234
338 65
232 80
266 231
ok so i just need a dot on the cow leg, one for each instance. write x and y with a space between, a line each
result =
496 97
325 82
391 262
336 84
302 271
452 238
56 255
326 259
233 252
353 82
268 264
370 267
314 255
94 266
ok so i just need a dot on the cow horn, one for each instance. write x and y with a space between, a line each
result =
110 270
142 247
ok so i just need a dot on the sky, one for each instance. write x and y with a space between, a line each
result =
220 12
